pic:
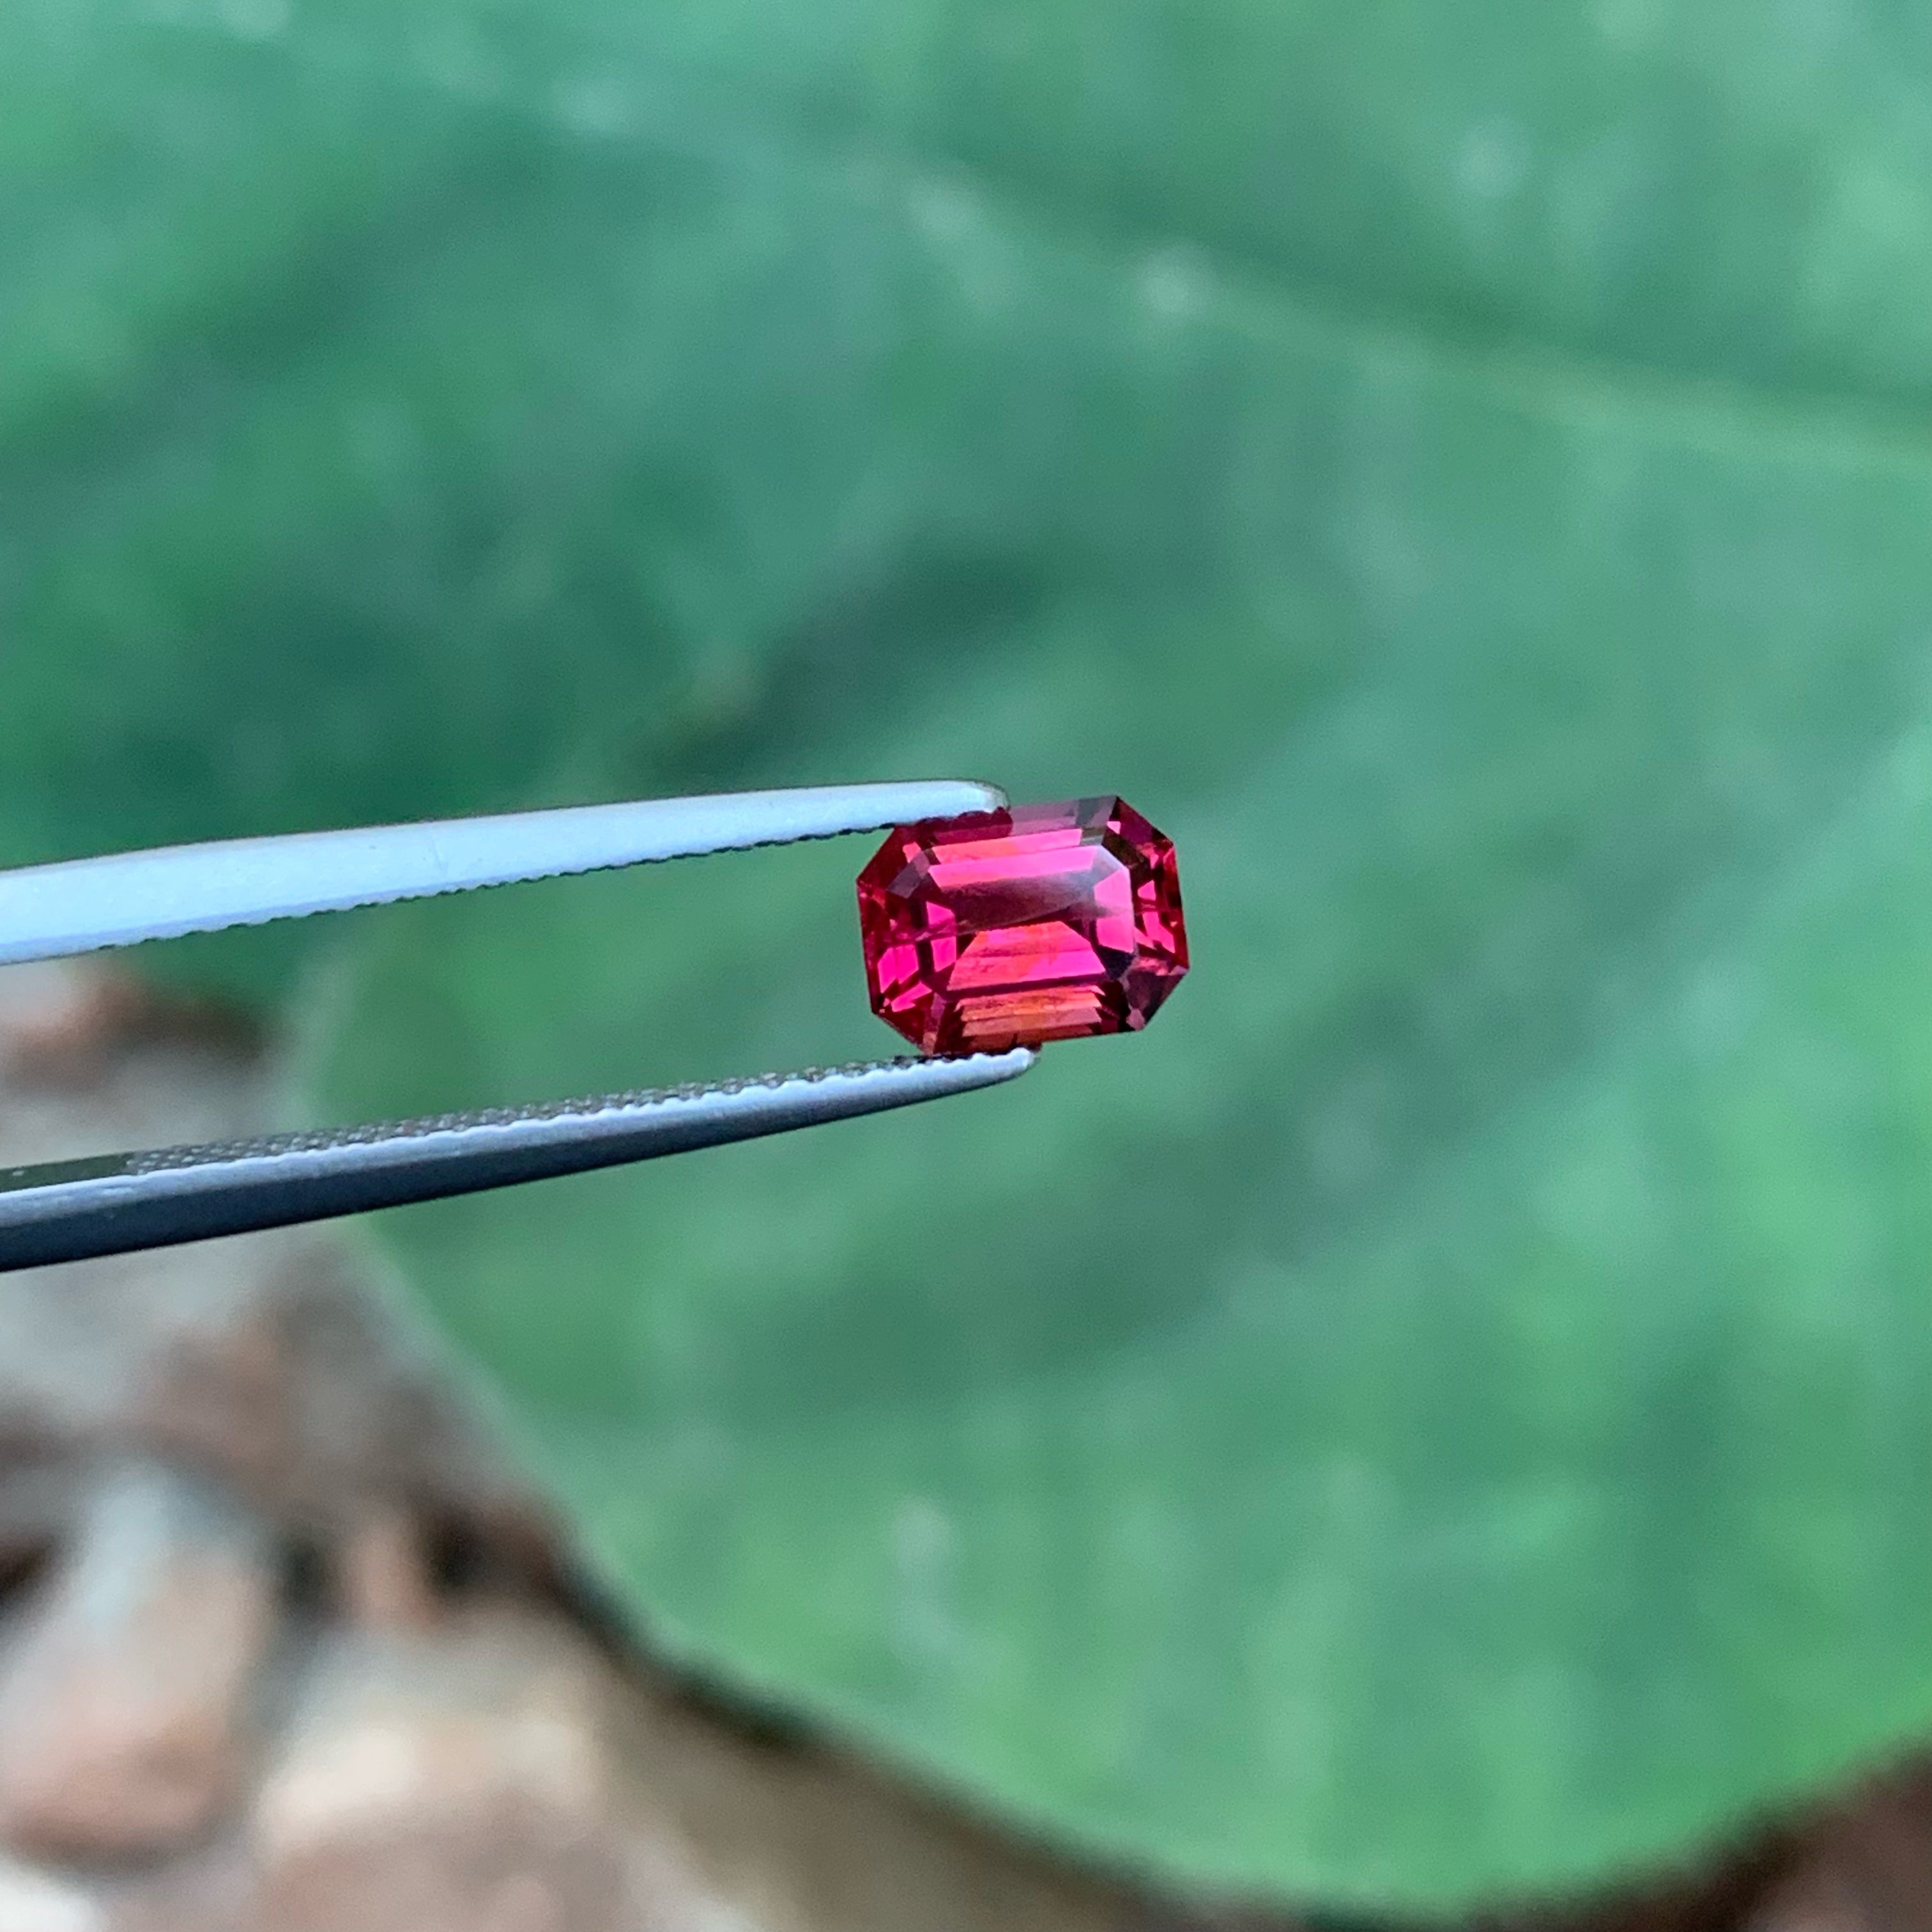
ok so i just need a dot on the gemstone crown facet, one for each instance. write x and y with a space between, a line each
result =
1011 927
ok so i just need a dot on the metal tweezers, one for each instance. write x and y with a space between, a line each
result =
68 1210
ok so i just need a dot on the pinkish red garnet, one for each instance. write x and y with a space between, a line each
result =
1006 928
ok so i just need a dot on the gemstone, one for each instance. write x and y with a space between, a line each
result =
1006 929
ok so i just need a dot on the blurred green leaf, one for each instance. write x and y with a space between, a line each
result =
1450 1410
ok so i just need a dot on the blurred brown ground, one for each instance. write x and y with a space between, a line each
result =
285 1643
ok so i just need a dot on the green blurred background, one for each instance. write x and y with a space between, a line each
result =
1448 1412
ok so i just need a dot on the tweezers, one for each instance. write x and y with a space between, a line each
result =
70 1211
